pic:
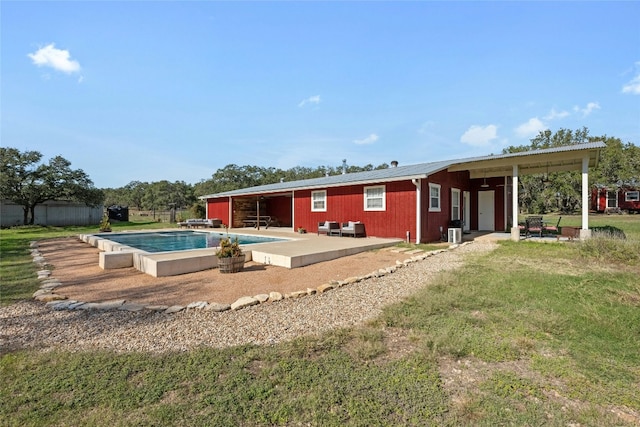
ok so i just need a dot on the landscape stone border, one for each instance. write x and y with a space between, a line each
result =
56 301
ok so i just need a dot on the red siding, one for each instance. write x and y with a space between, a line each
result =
432 221
347 204
219 208
280 207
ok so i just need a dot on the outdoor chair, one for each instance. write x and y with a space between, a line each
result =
352 228
553 228
328 227
534 226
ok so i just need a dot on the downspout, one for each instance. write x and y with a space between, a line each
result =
418 183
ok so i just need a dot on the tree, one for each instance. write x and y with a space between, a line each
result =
27 183
561 191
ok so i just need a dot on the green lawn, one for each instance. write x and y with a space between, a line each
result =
531 334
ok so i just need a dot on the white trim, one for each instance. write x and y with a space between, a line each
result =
367 198
635 198
585 195
418 184
432 208
459 211
324 201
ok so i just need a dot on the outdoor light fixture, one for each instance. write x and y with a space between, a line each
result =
484 183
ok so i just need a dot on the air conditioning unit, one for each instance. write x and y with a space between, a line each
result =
454 235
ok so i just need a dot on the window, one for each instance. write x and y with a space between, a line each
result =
374 198
632 196
612 199
455 204
319 201
434 198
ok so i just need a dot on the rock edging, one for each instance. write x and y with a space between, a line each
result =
56 301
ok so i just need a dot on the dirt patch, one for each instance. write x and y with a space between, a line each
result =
75 265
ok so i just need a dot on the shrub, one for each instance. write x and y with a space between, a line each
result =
609 244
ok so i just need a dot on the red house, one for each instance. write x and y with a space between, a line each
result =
608 200
418 202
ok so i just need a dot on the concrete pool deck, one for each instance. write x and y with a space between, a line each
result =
299 250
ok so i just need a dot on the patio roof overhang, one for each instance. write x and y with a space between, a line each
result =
560 159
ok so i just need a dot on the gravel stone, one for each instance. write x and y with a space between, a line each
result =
33 325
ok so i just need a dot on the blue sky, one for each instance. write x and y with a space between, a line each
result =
149 90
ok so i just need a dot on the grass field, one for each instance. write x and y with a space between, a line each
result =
531 334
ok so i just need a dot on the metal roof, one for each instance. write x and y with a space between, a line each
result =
398 173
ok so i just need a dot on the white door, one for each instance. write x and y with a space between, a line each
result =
466 208
486 207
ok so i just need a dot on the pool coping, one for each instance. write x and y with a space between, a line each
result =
295 251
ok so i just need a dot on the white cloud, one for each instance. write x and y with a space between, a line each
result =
368 140
590 108
553 114
424 128
58 59
531 128
479 136
310 100
633 87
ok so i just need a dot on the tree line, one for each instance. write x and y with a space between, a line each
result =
26 181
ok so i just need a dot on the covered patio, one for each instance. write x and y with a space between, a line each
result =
514 165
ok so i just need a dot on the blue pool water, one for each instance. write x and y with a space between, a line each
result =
165 241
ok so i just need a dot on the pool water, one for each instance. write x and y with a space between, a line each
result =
165 241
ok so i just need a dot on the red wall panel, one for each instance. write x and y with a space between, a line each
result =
219 208
347 204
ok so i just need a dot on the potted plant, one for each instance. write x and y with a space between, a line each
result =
105 225
230 256
302 230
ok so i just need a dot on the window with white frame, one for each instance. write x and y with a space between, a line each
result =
434 197
612 199
319 201
374 198
455 204
632 196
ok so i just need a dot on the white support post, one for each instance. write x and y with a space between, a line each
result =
418 184
515 208
585 233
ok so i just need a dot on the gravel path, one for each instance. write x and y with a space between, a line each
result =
30 324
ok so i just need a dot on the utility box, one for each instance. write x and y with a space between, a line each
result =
454 235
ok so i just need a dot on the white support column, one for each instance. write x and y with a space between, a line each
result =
515 208
585 233
418 184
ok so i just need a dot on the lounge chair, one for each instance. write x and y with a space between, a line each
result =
328 228
352 228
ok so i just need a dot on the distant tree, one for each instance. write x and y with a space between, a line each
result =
619 164
134 193
26 182
233 177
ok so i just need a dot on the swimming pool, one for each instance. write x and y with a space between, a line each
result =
166 241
